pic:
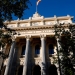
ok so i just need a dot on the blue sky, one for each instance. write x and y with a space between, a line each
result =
49 8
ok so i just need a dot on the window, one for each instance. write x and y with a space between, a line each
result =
51 49
37 49
23 50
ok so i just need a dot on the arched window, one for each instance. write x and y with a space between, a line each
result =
51 49
23 50
37 49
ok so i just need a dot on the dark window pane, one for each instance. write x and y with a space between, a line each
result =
37 49
23 50
51 49
20 70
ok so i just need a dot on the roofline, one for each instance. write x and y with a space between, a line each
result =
40 19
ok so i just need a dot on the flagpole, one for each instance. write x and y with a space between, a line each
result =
37 4
36 7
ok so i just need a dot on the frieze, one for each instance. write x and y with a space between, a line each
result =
36 31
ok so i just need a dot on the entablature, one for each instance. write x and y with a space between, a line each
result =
38 20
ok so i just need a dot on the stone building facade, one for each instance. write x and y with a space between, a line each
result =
34 48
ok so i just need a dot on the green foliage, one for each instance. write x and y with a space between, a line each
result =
4 38
9 7
66 50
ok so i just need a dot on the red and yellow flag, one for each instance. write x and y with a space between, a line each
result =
38 2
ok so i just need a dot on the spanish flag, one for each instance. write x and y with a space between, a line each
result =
38 2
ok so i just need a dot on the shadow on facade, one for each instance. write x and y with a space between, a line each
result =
52 70
20 70
36 70
3 70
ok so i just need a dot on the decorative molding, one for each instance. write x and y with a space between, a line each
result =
36 15
13 38
42 36
37 27
27 36
37 60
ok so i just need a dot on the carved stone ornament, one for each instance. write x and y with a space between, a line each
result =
27 36
36 15
13 38
42 36
35 23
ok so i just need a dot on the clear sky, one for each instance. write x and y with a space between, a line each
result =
49 8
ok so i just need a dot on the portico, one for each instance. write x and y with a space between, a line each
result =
34 55
34 47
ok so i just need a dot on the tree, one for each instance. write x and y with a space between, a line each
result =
7 9
66 52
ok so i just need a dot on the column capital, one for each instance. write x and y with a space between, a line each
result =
13 38
27 36
42 36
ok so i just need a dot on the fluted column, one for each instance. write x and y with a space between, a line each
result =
25 67
10 58
43 64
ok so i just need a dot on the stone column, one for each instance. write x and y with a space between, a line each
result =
10 59
14 62
43 64
25 67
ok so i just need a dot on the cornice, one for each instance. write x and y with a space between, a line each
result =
37 27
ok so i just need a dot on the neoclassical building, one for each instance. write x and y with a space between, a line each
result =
34 48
